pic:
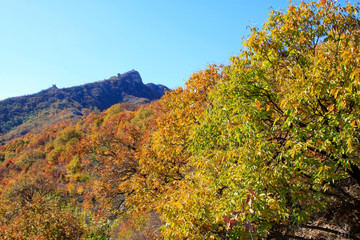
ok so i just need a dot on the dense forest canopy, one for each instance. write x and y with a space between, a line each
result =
266 147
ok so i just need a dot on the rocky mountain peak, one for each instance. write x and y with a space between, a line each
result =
131 76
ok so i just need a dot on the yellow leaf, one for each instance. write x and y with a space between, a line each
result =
353 123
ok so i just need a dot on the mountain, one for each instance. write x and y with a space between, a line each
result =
127 87
20 115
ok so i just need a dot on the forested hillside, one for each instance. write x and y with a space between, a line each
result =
20 115
266 147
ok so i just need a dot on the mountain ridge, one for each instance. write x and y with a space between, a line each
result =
122 88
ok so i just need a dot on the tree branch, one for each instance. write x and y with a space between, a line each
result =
354 172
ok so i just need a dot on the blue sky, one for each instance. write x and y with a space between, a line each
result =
73 42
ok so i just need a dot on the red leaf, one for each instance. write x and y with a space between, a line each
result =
236 212
248 198
227 219
231 224
252 192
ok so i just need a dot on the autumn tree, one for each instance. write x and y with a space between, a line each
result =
166 175
41 198
112 149
45 217
285 125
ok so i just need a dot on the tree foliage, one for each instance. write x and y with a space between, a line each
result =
164 160
265 147
285 123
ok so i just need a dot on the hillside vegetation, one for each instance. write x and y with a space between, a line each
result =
266 147
20 115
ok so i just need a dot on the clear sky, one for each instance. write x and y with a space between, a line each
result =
73 42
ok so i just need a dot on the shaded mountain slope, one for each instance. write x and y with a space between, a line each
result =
127 87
